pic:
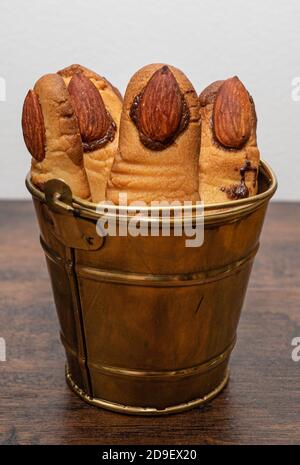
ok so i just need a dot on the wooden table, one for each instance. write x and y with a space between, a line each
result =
261 404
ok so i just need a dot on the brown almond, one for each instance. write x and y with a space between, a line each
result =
161 106
33 126
93 119
232 114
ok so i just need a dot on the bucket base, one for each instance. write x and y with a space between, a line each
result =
119 408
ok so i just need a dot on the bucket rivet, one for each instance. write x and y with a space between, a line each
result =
89 240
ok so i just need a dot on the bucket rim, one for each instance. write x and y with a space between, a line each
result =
68 203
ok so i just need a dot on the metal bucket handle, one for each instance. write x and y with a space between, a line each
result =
58 196
66 223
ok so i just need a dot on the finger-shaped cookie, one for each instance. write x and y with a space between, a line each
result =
229 157
98 106
159 139
52 135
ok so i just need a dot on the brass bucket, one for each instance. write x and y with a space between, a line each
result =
147 323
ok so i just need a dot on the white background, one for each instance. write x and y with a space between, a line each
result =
259 40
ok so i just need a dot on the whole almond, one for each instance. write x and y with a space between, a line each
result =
232 114
93 119
160 107
33 126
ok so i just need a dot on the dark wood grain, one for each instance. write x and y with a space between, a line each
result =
261 404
